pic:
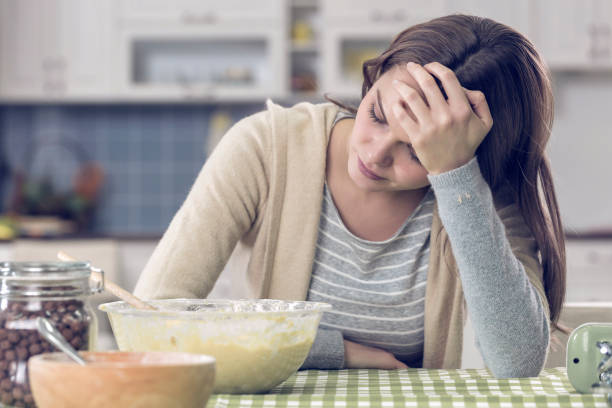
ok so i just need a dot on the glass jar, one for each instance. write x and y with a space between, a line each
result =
58 291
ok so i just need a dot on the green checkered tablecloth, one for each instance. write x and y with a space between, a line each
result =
416 388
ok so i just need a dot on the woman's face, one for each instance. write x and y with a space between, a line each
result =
380 155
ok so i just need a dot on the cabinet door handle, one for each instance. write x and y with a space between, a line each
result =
600 41
207 18
376 15
61 62
400 15
192 18
54 63
188 17
204 91
54 87
607 40
379 16
47 63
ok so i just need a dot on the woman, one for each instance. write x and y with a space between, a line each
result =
434 201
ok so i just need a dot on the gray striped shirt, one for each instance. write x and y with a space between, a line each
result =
377 289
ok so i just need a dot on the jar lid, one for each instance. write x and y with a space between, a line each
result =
47 279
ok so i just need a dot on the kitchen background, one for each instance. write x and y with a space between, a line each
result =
108 110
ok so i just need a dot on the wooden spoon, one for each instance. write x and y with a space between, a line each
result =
111 286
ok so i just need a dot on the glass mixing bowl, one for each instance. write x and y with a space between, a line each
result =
257 343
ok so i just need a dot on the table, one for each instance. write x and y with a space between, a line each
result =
416 387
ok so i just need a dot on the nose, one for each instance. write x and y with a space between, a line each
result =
378 152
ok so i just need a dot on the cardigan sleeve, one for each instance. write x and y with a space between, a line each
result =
221 207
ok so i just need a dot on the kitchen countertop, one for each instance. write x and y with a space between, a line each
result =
601 234
416 388
116 237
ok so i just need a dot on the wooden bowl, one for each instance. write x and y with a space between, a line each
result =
122 379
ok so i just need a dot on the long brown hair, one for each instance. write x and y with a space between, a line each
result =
497 60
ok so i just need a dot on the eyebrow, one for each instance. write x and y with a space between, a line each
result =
380 105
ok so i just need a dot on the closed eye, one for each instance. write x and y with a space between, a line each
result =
412 153
372 110
375 118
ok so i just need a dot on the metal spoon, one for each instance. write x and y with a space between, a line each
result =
49 332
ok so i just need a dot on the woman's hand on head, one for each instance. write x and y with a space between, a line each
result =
359 356
444 133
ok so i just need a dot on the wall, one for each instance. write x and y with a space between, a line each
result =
150 155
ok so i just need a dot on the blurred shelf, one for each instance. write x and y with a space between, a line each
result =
310 47
602 234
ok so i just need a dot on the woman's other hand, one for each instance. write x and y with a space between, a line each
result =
444 133
359 356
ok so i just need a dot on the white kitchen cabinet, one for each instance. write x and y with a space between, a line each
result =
86 39
354 31
515 14
202 50
22 30
198 12
237 51
368 13
54 50
343 51
206 63
589 270
574 34
304 61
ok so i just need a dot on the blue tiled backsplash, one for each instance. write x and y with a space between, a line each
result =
150 155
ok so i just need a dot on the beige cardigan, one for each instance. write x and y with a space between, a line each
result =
262 189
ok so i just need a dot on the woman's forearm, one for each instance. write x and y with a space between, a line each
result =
508 314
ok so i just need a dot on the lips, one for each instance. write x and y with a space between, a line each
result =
367 172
